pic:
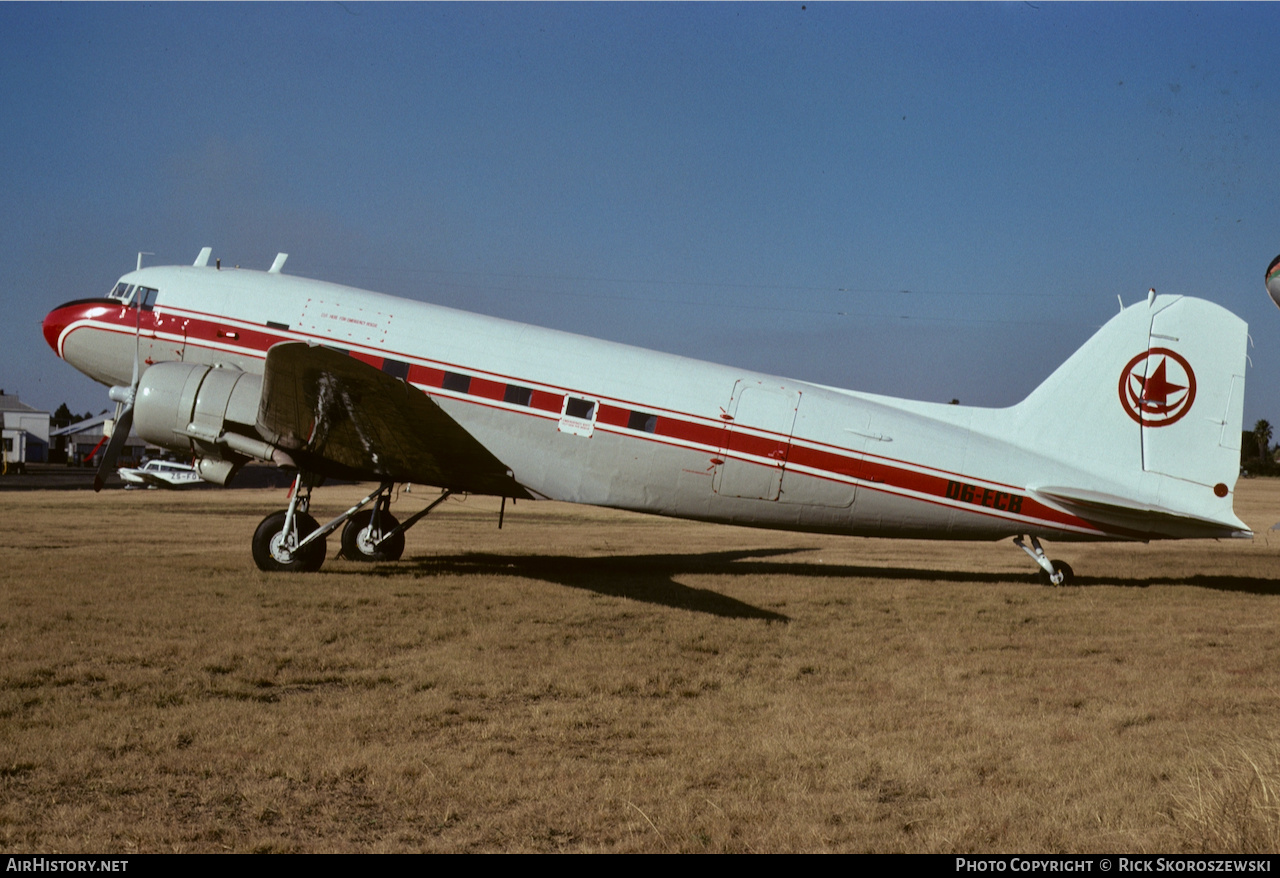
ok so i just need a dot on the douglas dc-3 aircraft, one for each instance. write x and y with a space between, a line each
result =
1135 437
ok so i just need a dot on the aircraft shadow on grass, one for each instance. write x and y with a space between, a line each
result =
653 578
645 578
1242 584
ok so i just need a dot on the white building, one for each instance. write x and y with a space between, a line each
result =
85 442
26 432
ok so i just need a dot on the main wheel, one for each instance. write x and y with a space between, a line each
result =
1062 567
359 542
270 544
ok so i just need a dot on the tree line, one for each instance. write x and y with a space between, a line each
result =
1257 455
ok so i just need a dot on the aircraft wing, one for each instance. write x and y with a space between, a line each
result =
339 416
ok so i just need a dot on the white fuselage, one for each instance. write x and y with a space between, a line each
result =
664 434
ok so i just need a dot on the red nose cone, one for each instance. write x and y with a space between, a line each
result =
54 324
70 313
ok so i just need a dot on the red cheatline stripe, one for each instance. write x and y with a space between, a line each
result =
879 473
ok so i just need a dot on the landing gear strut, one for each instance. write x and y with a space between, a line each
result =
1051 572
292 540
374 534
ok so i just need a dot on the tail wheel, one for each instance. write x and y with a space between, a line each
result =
360 542
273 548
1068 575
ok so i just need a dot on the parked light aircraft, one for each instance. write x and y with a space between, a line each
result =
1136 437
159 474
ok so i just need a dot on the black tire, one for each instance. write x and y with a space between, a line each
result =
1068 575
355 538
271 532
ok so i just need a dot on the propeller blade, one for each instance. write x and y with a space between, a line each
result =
124 397
137 336
119 435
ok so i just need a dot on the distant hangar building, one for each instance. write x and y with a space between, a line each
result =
85 440
26 433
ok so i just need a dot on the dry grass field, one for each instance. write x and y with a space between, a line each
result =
593 681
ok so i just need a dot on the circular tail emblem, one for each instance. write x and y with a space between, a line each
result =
1157 387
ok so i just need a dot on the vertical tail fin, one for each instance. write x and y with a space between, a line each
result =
1148 414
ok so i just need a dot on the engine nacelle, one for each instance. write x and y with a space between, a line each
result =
205 410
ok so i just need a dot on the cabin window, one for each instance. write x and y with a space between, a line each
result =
578 416
456 382
517 395
576 407
642 421
396 368
146 297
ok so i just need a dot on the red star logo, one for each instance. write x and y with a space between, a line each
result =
1156 388
1151 396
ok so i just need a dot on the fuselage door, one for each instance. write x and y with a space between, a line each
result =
760 419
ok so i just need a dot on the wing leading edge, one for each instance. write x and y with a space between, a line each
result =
337 415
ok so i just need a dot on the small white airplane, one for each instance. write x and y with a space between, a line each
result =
159 474
1136 437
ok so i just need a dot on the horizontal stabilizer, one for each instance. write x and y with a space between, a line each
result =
1144 520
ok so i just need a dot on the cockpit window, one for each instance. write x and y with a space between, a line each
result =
128 295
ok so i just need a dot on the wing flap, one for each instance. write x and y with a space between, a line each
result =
339 416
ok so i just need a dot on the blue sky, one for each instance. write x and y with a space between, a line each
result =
933 201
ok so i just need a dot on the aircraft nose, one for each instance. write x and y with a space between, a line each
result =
55 322
64 317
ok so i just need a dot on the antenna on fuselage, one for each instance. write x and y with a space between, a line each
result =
278 264
142 253
203 259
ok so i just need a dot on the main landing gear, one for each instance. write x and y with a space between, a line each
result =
292 540
373 535
1051 572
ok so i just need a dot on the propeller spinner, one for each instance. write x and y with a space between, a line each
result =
1273 280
